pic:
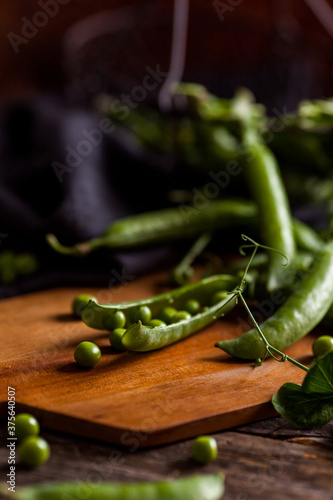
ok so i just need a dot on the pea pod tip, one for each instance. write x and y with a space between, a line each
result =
78 250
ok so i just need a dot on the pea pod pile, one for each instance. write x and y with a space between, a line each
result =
177 314
262 177
213 135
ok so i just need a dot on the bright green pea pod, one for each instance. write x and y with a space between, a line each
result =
198 487
305 307
95 315
169 224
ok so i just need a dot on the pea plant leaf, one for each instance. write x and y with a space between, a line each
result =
320 377
309 405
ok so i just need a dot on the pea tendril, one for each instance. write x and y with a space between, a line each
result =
237 294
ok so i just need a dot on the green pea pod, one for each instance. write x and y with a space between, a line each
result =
306 237
305 307
198 487
169 224
96 315
144 338
182 222
274 216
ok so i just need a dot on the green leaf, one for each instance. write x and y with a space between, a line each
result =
320 377
309 405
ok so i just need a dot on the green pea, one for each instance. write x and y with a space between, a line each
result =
87 354
8 273
142 313
7 258
204 449
156 322
114 320
218 297
26 425
192 306
115 339
322 345
7 276
34 451
181 316
80 302
166 314
25 264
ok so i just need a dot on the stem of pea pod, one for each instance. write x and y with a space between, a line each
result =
183 271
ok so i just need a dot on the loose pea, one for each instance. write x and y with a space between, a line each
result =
156 322
166 314
322 345
218 296
181 316
26 425
87 354
114 320
142 313
7 273
79 302
204 449
26 264
34 451
192 306
115 339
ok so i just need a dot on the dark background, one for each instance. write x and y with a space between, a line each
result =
277 49
258 43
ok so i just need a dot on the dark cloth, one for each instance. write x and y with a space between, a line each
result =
60 174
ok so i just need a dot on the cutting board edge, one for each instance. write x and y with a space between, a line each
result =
136 438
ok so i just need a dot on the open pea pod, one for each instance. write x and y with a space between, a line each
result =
143 338
139 337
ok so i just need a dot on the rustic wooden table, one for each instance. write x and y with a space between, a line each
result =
266 459
269 459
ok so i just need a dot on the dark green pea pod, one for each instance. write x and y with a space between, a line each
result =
96 315
197 487
169 224
304 309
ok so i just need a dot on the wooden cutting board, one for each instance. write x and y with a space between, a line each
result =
133 399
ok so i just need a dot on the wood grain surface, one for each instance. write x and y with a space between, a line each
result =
266 460
147 399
